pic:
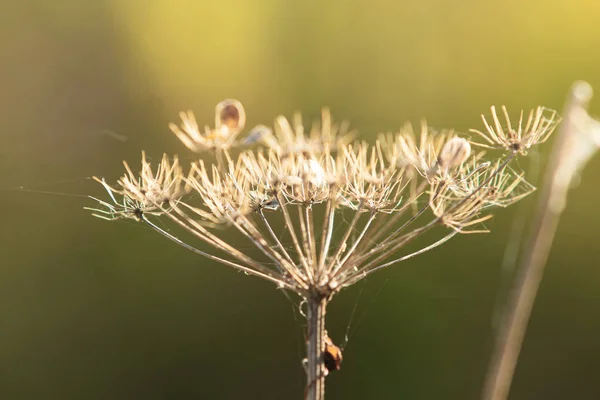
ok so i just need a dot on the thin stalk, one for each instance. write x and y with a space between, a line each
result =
268 276
290 228
394 246
386 223
275 238
416 253
327 233
305 234
392 238
202 233
310 223
387 241
315 347
349 230
245 227
350 252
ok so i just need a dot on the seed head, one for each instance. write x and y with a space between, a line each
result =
540 124
292 138
230 114
230 119
148 192
320 212
454 153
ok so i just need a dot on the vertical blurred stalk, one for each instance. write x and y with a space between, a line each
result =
577 141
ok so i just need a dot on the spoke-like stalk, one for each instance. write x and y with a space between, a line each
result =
392 247
286 264
310 223
394 243
200 232
341 266
290 228
249 230
386 243
327 233
386 223
416 253
342 244
305 235
274 237
266 275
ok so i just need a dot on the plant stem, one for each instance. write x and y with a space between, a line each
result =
576 143
315 347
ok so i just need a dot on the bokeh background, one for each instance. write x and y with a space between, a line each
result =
97 310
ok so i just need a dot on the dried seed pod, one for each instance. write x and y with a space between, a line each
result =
455 152
231 114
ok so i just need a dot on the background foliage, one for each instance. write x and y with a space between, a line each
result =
95 310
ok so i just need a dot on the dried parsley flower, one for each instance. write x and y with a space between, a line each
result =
540 123
323 212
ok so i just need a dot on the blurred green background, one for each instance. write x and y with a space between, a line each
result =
96 310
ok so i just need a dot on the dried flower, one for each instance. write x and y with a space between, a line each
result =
540 123
321 212
298 172
230 119
293 139
454 153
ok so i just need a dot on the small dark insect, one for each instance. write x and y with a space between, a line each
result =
332 357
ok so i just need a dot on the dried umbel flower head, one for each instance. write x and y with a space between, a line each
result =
540 123
294 139
160 187
298 172
145 193
230 119
321 212
429 153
